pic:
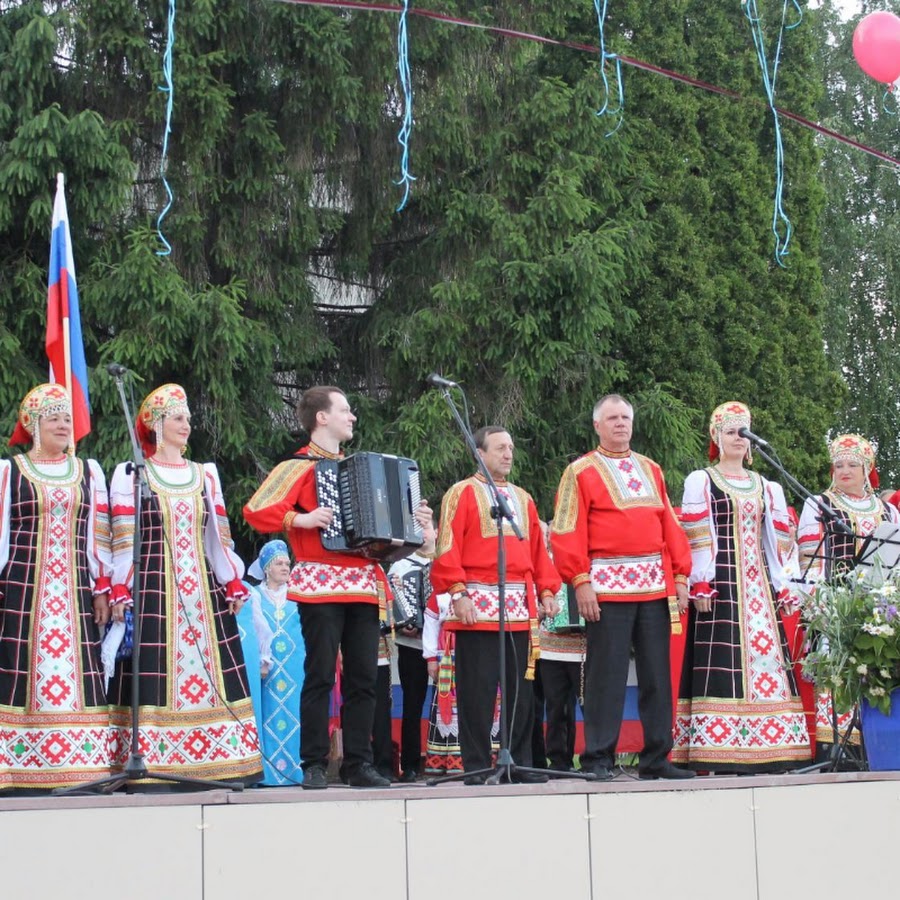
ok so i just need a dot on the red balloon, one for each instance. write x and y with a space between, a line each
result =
876 46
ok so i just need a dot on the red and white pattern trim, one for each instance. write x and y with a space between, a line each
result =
56 639
207 745
321 582
764 665
628 576
36 751
486 599
735 732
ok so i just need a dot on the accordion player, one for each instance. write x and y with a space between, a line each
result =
374 497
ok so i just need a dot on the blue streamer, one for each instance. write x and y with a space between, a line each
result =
601 7
169 89
406 177
889 93
781 224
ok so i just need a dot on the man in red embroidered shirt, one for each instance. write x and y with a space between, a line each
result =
616 540
338 595
466 568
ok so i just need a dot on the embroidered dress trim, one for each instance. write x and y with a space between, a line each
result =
628 479
739 732
211 742
312 582
37 751
629 577
824 729
486 598
515 496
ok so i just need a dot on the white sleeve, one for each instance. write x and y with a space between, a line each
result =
225 564
99 535
696 519
121 501
810 535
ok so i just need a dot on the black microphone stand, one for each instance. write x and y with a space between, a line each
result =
832 524
135 768
505 767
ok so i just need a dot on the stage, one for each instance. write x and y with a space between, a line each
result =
747 838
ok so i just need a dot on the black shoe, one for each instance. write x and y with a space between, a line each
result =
409 776
386 773
599 772
519 777
472 780
315 778
666 771
366 776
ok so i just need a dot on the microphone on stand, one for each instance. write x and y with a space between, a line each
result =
117 370
435 380
753 438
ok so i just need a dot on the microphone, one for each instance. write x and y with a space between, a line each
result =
435 380
117 370
753 438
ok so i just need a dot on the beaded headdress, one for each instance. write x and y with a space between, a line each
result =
732 413
44 400
164 401
855 447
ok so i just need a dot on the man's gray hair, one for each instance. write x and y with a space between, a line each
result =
610 398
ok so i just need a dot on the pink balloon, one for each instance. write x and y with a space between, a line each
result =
876 46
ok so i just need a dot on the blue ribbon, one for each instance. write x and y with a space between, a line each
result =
169 89
601 7
406 177
781 224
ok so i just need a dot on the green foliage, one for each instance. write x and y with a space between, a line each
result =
861 247
540 263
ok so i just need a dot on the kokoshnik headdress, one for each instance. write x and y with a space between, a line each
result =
731 413
165 401
43 400
856 448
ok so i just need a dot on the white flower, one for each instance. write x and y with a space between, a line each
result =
862 669
888 589
884 673
877 691
853 660
836 680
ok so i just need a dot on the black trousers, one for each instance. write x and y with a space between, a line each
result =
538 746
646 626
382 744
352 627
562 684
477 677
413 672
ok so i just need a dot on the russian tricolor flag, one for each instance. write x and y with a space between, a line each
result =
65 345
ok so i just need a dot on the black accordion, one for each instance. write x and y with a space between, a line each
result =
411 592
374 497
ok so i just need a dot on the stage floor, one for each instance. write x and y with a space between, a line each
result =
738 837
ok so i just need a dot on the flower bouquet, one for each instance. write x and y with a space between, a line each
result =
853 628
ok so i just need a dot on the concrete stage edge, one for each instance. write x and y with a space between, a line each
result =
749 838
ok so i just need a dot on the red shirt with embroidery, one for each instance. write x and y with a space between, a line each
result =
319 575
466 557
614 528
